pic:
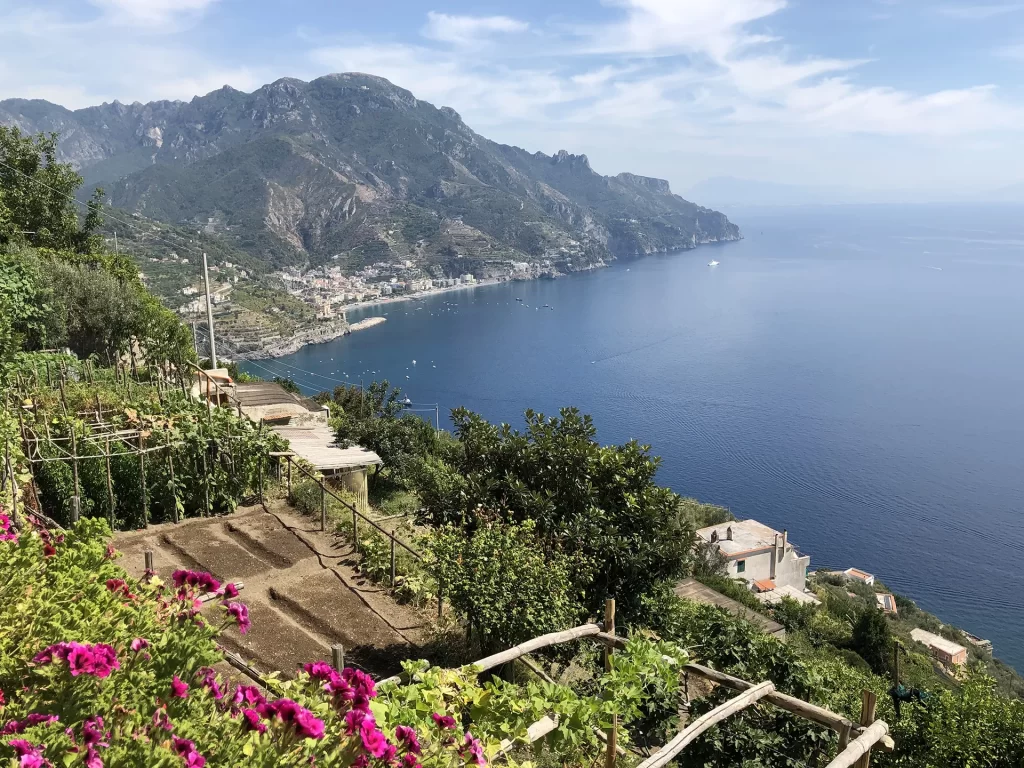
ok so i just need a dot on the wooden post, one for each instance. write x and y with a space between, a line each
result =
289 497
63 399
392 559
613 732
844 736
76 500
110 483
148 555
142 480
170 469
895 662
355 531
868 701
338 656
9 467
206 484
323 507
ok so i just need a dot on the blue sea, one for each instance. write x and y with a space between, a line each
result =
852 374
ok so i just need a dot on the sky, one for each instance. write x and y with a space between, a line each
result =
925 97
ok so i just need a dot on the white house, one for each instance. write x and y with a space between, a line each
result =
760 555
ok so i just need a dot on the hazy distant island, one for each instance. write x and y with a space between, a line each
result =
356 177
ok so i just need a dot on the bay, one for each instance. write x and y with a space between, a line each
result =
851 374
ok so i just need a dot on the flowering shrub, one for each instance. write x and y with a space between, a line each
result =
99 669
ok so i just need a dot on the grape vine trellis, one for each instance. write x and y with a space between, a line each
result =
95 443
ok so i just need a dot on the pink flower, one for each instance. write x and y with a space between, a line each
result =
93 733
30 756
240 613
252 721
304 722
361 761
446 722
195 580
179 690
161 720
208 678
373 740
247 694
120 587
139 643
187 750
472 750
229 591
408 738
97 660
320 670
353 719
410 761
35 718
111 553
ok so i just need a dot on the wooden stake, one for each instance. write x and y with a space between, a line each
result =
338 656
613 732
868 701
148 558
206 485
110 486
323 507
142 480
76 500
170 468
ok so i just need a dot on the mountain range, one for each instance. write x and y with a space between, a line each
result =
352 169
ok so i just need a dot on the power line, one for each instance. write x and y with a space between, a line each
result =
183 245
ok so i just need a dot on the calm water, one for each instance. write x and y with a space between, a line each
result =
853 375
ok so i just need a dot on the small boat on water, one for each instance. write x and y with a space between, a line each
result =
712 263
518 299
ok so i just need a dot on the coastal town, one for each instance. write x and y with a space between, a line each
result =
296 306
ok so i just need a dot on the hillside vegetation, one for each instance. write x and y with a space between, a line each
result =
522 532
351 168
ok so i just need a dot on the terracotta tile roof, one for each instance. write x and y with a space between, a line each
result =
764 585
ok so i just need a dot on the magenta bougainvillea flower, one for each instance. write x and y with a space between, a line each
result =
408 738
253 721
195 580
297 717
161 720
97 660
29 755
208 679
240 613
19 726
447 722
373 740
229 591
179 690
120 587
187 750
472 751
248 695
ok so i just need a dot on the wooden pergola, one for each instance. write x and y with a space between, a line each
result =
855 753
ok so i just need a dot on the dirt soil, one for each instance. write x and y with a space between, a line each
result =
302 587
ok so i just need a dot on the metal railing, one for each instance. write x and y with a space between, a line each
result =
326 491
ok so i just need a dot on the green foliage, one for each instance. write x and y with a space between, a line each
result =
26 314
736 589
66 588
872 639
599 503
37 206
503 582
288 385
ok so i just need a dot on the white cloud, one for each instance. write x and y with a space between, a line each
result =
150 12
978 11
469 30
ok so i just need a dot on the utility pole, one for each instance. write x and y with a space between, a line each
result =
209 313
116 252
